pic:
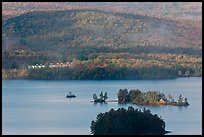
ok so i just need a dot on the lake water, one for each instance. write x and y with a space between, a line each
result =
40 106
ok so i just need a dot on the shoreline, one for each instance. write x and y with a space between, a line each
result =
104 79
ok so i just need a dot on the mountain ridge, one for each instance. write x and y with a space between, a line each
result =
61 36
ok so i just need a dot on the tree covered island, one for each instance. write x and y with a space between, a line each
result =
128 122
149 98
102 99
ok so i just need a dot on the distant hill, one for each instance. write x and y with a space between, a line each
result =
74 31
191 11
41 37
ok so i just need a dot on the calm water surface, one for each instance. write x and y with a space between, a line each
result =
40 106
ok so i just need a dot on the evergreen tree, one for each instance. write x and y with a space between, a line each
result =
95 97
180 99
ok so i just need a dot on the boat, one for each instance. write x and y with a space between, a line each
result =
70 95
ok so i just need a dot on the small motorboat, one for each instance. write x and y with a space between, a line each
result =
70 95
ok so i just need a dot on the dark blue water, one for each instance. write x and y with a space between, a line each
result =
40 107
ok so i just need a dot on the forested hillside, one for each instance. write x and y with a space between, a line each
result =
100 44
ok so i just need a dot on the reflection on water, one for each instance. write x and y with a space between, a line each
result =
41 107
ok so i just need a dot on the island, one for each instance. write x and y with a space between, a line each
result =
102 99
128 122
149 98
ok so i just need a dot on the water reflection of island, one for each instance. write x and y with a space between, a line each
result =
149 98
